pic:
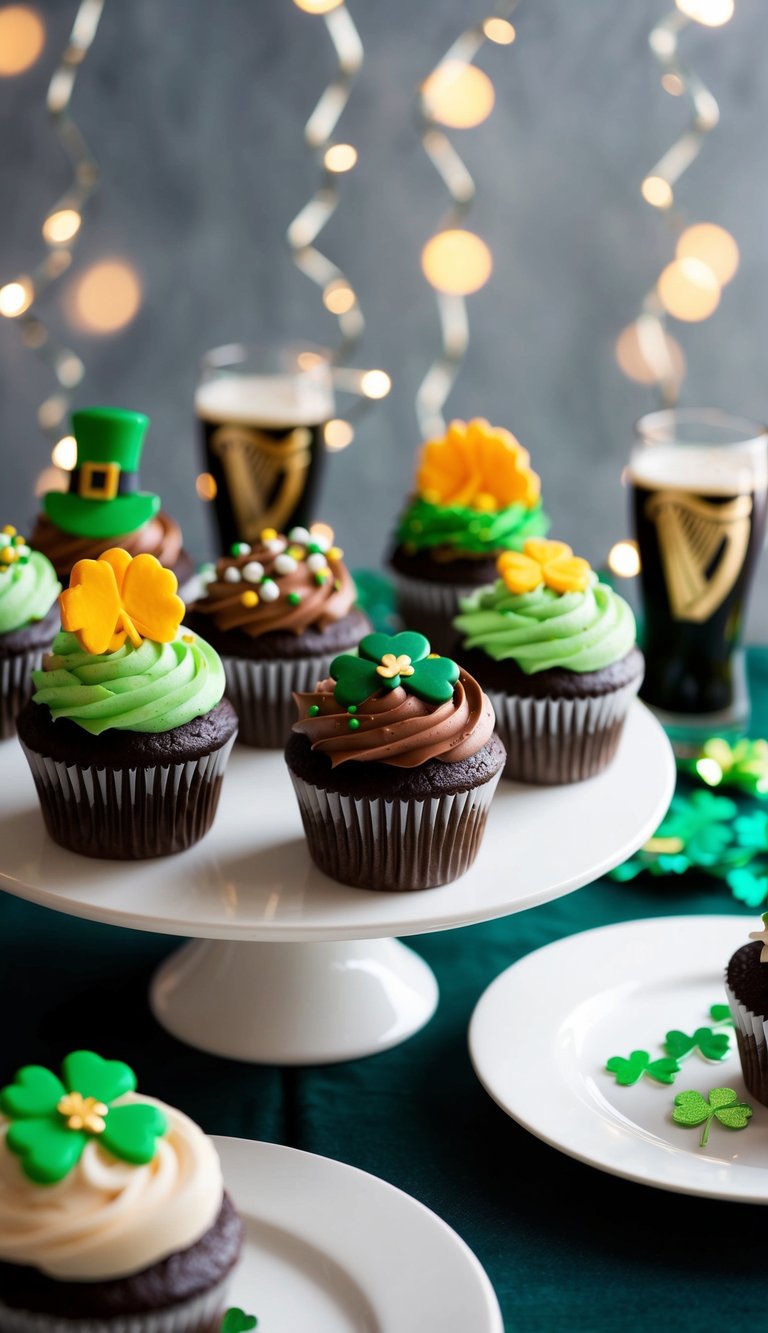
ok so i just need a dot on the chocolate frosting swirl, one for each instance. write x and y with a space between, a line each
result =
397 728
293 599
160 537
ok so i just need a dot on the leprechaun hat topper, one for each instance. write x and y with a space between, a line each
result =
104 499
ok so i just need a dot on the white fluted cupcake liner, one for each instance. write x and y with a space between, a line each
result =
201 1314
751 1038
431 608
399 845
262 695
560 740
129 813
16 686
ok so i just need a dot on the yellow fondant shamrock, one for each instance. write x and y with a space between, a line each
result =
477 466
551 563
118 597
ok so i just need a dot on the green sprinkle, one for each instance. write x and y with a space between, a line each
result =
320 578
354 723
293 598
352 708
314 549
314 710
239 548
337 585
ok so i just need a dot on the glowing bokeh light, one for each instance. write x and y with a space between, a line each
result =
456 262
338 297
624 560
458 95
688 290
51 479
657 192
323 530
338 434
61 226
22 38
340 157
317 6
52 411
107 296
713 245
16 297
634 363
709 771
375 384
206 487
672 84
500 31
64 454
712 13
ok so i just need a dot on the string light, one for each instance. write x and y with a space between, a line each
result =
22 38
340 157
706 256
624 560
106 297
19 299
456 94
64 453
338 434
375 384
206 487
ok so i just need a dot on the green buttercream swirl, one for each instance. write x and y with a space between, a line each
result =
153 688
27 592
582 631
425 525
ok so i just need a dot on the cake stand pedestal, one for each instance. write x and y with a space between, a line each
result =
287 966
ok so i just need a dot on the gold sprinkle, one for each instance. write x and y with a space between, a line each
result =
187 638
431 655
334 553
268 534
297 552
9 530
249 598
392 666
83 1112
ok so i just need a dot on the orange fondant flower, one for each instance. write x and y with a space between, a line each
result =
477 466
552 563
116 597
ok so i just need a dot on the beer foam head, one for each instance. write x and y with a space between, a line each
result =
705 470
278 401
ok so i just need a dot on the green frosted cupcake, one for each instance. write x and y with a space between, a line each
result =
29 618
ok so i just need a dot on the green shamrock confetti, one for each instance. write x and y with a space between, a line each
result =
237 1321
710 1045
720 1015
386 661
53 1119
748 886
743 765
691 1109
630 1070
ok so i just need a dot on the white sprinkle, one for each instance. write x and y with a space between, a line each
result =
269 591
300 535
253 571
232 574
275 545
4 540
23 550
285 564
319 540
316 563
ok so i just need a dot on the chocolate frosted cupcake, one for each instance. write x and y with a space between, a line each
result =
128 733
29 619
746 985
113 1215
278 612
555 649
394 763
476 496
104 507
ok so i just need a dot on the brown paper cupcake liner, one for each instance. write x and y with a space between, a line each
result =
201 1314
16 686
262 695
398 846
753 1048
129 813
552 741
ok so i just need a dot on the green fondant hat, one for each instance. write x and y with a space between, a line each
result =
103 499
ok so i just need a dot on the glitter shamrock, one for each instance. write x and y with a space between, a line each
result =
692 1110
118 597
387 661
237 1321
630 1070
743 765
710 1045
52 1119
544 562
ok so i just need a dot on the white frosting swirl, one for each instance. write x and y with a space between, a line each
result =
108 1219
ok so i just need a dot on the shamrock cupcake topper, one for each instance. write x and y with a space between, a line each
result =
13 549
387 661
544 562
762 936
118 597
53 1119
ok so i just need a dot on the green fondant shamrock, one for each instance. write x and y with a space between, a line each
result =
691 1109
237 1321
720 1015
631 1070
53 1119
386 661
710 1045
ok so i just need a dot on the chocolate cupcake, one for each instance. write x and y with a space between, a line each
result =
277 612
29 619
555 649
113 1215
104 507
476 496
128 733
394 763
746 985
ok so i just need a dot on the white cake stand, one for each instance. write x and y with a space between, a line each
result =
288 967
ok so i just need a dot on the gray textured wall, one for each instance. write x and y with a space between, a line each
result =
195 111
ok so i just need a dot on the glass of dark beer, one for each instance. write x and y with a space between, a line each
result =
698 481
263 412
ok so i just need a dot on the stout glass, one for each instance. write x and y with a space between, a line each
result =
698 482
262 413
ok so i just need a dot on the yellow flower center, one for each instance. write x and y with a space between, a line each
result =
83 1112
391 666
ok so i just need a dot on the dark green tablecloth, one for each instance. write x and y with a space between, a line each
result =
566 1247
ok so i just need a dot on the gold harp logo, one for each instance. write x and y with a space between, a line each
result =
702 546
265 476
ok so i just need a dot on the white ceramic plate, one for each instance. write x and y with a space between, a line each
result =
251 878
542 1032
330 1249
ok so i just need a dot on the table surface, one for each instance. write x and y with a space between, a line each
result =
565 1246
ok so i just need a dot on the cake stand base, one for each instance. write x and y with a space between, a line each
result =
293 1004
